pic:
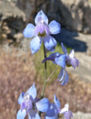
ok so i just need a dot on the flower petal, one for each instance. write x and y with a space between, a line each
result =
21 114
29 116
71 60
41 17
35 44
57 102
54 27
71 55
33 115
74 62
61 60
51 57
52 112
20 99
41 30
68 115
64 48
32 91
65 109
63 77
50 43
42 105
37 116
51 117
29 31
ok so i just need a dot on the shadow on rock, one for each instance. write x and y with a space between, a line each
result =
72 15
71 39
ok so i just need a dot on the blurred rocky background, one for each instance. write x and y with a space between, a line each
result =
73 14
18 70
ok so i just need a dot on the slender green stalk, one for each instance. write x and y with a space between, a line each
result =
45 74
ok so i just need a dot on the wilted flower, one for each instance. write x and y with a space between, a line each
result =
63 60
41 32
30 105
55 109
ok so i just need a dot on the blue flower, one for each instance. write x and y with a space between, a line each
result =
41 32
70 58
55 109
63 60
30 104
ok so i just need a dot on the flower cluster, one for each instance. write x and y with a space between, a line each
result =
30 104
55 110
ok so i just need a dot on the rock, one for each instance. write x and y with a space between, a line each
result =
12 21
28 6
8 9
72 14
81 115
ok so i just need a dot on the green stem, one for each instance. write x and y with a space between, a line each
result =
45 73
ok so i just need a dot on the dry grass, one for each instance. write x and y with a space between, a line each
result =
17 73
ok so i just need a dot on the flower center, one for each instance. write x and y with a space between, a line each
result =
42 29
68 61
42 34
27 103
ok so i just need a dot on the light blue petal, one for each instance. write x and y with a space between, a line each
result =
51 117
29 31
54 27
66 79
74 62
20 99
37 116
61 60
41 17
63 77
43 105
52 110
57 102
33 115
32 91
35 44
21 114
50 43
64 48
51 57
68 115
29 117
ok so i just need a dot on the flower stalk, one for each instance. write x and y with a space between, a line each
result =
30 104
45 73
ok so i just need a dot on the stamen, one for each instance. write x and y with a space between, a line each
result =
42 34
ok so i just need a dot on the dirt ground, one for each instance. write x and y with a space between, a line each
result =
17 73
